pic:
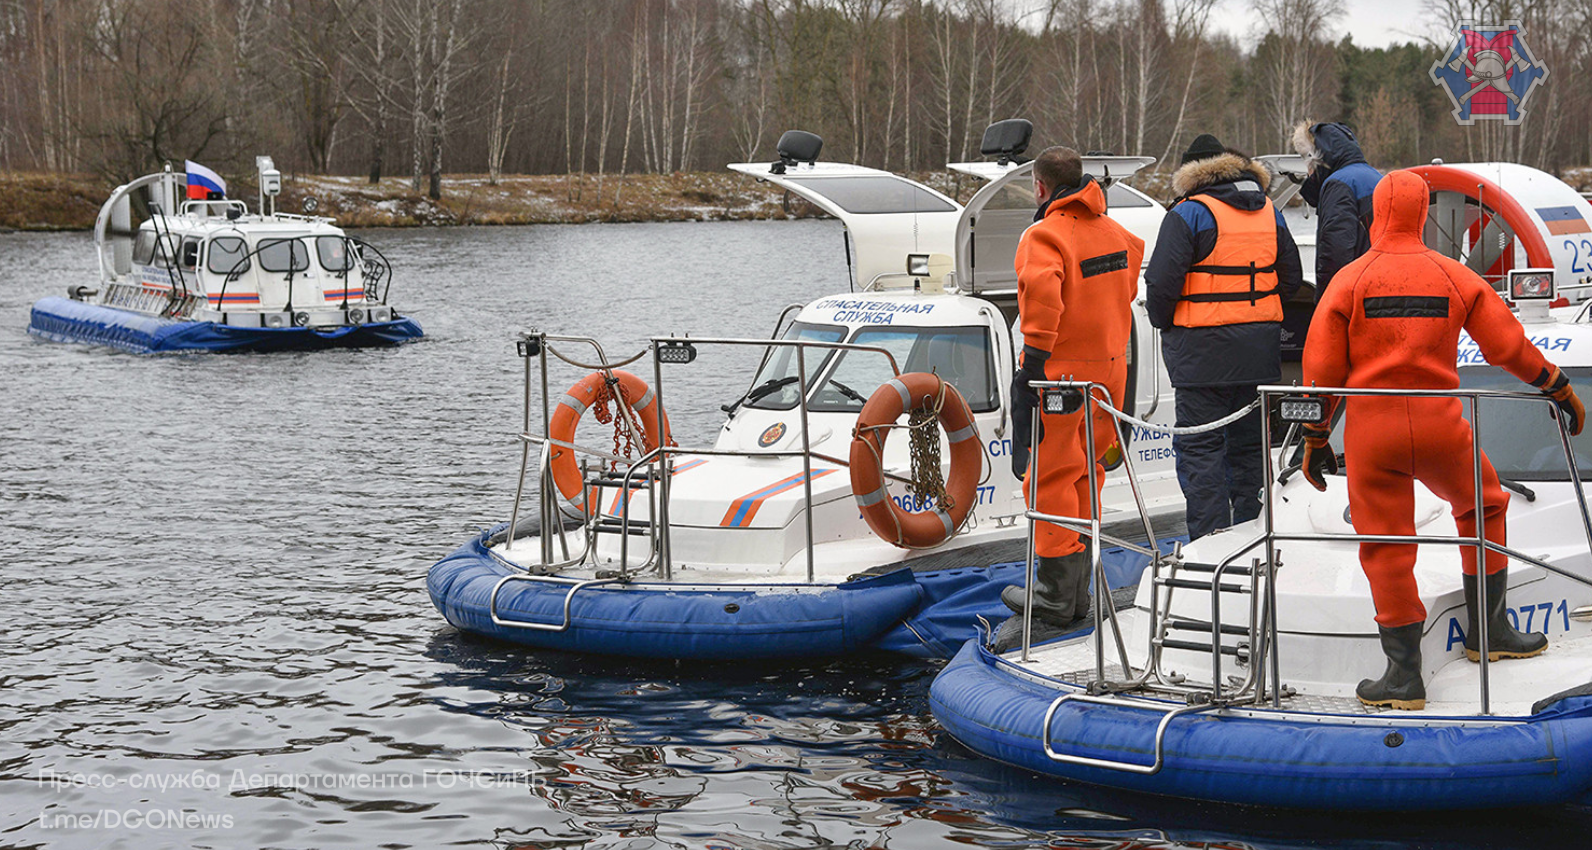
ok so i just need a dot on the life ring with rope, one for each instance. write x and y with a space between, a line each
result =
637 403
920 392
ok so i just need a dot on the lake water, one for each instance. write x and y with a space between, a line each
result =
216 634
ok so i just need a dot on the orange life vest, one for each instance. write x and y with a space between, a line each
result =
1237 283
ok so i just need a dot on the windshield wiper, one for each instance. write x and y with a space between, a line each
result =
758 392
848 392
1531 495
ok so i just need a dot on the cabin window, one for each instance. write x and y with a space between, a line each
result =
189 254
960 355
228 253
144 247
778 386
283 255
873 195
1519 436
1119 196
332 251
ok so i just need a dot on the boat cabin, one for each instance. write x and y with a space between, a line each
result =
213 260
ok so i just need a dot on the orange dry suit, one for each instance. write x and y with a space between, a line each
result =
1077 274
1392 318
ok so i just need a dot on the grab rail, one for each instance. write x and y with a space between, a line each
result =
1271 536
535 344
1103 610
576 585
1128 767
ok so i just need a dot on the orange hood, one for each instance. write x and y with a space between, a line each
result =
1087 196
1399 213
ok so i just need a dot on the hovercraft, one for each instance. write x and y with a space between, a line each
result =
809 526
205 274
1232 676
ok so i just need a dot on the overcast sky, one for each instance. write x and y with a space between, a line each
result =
1373 23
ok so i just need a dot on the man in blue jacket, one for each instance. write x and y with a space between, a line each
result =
1223 264
1339 187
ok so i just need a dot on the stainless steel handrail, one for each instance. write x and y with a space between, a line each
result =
1479 541
1170 712
663 455
576 585
803 385
1103 609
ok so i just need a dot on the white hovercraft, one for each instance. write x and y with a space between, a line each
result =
1231 676
207 275
781 539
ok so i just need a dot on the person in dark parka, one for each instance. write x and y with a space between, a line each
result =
1223 264
1339 188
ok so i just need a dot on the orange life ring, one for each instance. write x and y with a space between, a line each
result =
887 519
635 394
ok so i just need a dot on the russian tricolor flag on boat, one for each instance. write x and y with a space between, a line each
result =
202 181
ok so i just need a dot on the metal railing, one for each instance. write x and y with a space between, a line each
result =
1270 536
535 344
1264 652
1263 682
374 271
1050 391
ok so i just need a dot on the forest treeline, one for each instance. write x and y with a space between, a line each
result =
420 88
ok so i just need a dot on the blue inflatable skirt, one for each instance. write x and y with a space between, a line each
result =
1273 758
928 614
66 320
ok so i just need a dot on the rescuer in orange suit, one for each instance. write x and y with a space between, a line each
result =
1392 319
1077 273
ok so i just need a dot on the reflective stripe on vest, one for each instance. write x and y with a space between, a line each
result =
1237 282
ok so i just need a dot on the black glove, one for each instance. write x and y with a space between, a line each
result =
1024 400
1319 459
1556 385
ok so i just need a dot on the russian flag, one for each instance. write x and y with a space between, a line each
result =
202 181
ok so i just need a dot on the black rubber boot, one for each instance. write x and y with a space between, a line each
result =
1503 640
1056 598
1084 603
1401 685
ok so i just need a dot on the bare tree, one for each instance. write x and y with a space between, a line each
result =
1296 60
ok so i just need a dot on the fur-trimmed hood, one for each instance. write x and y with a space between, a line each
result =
1226 168
1332 143
1304 141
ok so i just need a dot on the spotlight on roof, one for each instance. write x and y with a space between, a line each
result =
796 146
1007 140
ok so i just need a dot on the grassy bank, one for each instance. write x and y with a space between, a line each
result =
30 201
70 202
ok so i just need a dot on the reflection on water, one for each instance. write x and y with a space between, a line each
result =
216 631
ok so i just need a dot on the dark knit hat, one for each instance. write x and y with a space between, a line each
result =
1205 146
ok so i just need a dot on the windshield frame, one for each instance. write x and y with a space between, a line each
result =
786 356
989 403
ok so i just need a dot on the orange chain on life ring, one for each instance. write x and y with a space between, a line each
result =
890 521
636 402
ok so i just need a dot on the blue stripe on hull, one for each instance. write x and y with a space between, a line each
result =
1280 763
65 320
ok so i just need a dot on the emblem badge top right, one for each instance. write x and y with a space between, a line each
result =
1489 73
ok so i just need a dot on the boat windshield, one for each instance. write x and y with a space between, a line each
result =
777 386
873 195
960 355
1518 436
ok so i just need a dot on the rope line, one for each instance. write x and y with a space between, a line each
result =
1179 430
595 367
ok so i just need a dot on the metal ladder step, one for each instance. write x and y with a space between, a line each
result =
1232 569
1196 584
1241 652
637 482
1202 626
642 528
